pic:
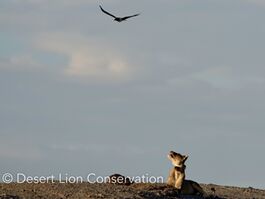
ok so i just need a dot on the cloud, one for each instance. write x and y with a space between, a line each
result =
226 78
19 62
62 2
102 148
18 149
222 77
87 63
87 58
258 2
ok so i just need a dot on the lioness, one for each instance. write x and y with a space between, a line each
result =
177 176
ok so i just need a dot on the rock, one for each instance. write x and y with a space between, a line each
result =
119 180
5 196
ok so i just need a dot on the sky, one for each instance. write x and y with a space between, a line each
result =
80 93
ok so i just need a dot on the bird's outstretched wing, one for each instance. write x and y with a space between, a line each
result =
107 12
127 17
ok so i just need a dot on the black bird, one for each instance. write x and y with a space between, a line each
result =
118 19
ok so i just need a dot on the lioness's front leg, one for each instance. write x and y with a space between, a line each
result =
179 180
171 178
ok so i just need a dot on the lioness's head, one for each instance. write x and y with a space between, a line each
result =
177 159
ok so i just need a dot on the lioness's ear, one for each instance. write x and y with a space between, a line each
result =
185 157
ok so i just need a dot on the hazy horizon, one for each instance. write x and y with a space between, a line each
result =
81 93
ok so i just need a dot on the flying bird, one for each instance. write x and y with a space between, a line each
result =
118 19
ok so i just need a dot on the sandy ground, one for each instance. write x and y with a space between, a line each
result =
134 191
